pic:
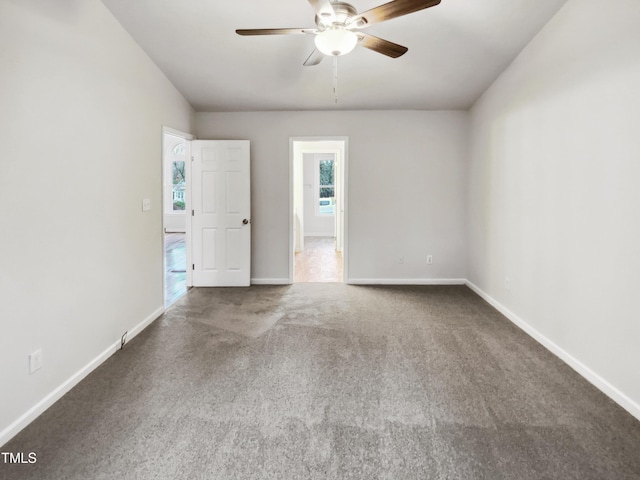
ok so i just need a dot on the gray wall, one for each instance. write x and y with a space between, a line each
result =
80 129
554 197
406 183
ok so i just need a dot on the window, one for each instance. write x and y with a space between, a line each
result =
326 188
177 178
177 189
178 150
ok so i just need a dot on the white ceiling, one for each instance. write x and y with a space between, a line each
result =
456 50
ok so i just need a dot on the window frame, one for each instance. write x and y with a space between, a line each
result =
319 158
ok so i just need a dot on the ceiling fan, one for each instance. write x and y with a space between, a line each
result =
339 27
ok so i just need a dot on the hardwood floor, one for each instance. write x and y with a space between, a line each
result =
319 262
175 264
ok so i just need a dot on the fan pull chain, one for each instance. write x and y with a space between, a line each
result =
335 77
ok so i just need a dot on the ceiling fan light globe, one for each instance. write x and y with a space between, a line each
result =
336 41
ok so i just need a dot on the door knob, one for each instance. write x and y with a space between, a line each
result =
245 221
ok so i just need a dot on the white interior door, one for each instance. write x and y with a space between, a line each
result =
221 213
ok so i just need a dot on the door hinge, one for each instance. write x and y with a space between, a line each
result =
193 266
192 158
193 213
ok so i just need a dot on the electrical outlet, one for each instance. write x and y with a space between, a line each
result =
507 283
146 204
429 259
400 260
35 361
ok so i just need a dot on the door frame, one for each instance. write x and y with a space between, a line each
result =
305 145
188 137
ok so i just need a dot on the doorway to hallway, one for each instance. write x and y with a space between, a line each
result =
318 212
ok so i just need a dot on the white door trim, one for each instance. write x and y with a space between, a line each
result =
344 150
187 137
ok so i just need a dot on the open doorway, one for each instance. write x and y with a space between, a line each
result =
175 151
318 199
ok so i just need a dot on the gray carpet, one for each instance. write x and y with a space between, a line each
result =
327 381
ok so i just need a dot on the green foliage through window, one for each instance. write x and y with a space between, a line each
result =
178 172
326 172
327 192
326 188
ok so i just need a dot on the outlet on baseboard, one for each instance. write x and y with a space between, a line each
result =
35 361
429 259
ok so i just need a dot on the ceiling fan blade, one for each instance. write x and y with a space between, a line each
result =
382 46
314 59
323 9
276 31
393 9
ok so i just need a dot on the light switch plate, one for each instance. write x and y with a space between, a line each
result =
146 204
35 361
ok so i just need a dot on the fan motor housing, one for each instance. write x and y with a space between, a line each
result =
344 11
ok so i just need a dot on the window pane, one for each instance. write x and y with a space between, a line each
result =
178 197
178 186
326 172
178 172
327 192
327 201
178 149
327 206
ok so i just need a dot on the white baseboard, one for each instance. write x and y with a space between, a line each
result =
145 323
327 235
405 281
39 408
270 281
600 383
372 281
